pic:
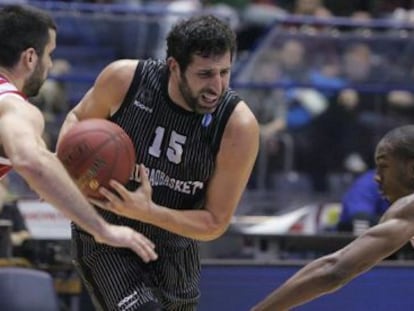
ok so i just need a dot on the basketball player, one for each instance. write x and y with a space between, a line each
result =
27 39
394 158
196 141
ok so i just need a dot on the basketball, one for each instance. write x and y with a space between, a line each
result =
94 151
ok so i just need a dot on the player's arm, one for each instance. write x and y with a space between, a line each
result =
105 96
331 272
234 163
235 160
21 127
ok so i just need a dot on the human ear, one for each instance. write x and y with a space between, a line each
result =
173 66
30 57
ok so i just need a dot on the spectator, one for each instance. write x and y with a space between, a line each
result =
362 201
262 13
311 7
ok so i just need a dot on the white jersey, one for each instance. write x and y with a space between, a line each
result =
7 89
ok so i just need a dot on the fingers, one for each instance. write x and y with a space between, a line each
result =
144 248
99 203
108 206
110 196
122 236
119 188
145 183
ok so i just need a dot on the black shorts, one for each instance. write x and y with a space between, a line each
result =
117 279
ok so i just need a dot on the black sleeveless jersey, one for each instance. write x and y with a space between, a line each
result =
178 147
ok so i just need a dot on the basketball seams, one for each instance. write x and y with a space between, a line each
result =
95 151
96 148
128 147
122 141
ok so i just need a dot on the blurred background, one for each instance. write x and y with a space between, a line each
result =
325 79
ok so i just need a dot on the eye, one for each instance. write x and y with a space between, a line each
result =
204 74
224 72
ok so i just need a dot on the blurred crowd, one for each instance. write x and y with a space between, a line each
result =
325 79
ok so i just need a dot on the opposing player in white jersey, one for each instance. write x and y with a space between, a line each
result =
27 39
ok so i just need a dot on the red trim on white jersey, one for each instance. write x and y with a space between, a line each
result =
4 169
8 88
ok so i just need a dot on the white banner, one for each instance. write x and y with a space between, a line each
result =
44 221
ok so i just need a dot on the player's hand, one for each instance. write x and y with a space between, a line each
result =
132 204
121 236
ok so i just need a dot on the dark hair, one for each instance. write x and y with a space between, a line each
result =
203 35
22 27
400 142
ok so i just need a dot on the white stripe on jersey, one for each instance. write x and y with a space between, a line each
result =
4 161
6 88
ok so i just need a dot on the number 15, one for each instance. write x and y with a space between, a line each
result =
175 145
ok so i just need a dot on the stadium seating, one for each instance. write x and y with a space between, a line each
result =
23 289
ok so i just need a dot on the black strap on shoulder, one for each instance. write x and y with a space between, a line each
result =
218 135
133 88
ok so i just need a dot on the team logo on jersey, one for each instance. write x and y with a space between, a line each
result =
207 118
158 178
142 106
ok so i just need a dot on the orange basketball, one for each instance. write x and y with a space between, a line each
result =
94 151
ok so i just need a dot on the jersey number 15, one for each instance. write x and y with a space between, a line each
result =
175 145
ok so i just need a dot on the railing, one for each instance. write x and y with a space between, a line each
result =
332 54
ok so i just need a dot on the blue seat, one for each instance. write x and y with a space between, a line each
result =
23 289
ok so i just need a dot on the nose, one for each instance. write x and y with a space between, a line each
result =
216 83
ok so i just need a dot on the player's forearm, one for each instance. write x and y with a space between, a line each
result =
313 280
195 224
287 297
48 178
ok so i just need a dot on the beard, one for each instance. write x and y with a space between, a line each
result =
34 82
187 94
192 100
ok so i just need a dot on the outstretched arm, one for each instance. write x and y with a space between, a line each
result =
331 272
21 126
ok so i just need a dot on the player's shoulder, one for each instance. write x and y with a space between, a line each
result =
11 99
123 66
243 116
120 68
9 92
117 74
242 123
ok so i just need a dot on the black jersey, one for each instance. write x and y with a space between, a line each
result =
178 147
